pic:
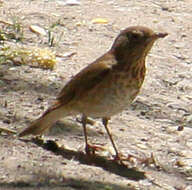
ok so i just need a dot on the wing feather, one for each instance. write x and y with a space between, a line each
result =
87 79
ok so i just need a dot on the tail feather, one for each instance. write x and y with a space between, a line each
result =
36 128
45 121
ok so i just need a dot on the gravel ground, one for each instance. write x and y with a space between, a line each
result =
150 129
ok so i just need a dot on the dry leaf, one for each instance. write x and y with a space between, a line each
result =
38 30
99 21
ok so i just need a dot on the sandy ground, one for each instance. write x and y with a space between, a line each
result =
148 129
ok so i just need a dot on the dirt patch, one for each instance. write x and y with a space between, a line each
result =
148 127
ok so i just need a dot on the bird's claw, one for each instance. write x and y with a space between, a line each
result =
91 149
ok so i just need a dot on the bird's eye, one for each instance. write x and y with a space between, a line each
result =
135 36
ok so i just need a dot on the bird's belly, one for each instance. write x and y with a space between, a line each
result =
107 101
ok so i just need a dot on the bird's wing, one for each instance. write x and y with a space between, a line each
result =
87 79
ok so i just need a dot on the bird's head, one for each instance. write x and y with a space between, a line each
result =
135 42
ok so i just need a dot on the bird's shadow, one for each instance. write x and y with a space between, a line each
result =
112 166
69 183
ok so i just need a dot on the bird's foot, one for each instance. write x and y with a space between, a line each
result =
120 158
91 149
117 157
133 159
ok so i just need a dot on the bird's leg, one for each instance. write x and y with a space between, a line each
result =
84 122
89 149
118 156
105 122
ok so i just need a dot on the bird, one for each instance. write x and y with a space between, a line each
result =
105 87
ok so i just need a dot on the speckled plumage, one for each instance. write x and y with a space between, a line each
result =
105 87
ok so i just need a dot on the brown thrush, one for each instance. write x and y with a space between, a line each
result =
105 87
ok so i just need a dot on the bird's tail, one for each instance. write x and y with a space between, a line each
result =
43 123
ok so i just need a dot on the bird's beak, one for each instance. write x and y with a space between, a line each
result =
156 36
159 35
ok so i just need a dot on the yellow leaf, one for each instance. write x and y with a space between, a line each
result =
99 21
